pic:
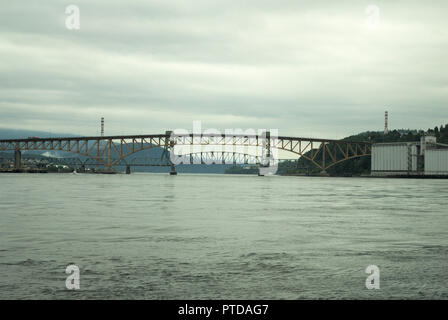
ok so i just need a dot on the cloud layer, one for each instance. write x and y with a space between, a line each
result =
308 68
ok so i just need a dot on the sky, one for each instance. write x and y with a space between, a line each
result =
324 69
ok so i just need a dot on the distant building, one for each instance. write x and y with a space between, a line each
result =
436 162
424 157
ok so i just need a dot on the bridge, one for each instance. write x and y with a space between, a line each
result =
110 151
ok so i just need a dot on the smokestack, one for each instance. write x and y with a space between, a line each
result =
102 126
386 125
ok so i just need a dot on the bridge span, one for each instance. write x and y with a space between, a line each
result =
110 151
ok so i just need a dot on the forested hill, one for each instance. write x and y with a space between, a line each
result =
402 135
361 165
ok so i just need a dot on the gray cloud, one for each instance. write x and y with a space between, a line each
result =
308 68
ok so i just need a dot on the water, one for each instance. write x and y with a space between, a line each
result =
154 236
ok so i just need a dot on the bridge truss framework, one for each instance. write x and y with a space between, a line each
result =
110 151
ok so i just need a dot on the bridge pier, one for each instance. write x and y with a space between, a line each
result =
172 170
17 159
169 145
324 173
263 167
128 169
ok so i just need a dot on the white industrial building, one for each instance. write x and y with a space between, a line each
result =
436 162
420 158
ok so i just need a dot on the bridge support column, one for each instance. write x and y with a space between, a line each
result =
324 173
169 148
172 170
109 156
18 159
128 169
265 156
268 145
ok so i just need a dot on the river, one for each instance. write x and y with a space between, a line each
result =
155 236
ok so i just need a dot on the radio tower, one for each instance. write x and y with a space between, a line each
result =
386 119
102 126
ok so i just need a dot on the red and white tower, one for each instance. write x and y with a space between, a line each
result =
386 124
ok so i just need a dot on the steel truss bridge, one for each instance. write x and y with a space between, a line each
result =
110 151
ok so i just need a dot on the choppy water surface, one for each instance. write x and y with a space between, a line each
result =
154 236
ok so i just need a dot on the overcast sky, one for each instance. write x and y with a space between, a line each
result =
308 68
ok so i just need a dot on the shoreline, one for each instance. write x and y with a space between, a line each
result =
438 177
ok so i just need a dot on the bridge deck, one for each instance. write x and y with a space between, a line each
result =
177 135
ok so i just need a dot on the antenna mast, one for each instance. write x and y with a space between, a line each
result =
386 125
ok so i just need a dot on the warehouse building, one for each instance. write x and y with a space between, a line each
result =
436 162
421 158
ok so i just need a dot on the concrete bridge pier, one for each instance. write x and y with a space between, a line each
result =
263 167
264 170
18 159
169 145
128 169
172 170
324 173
